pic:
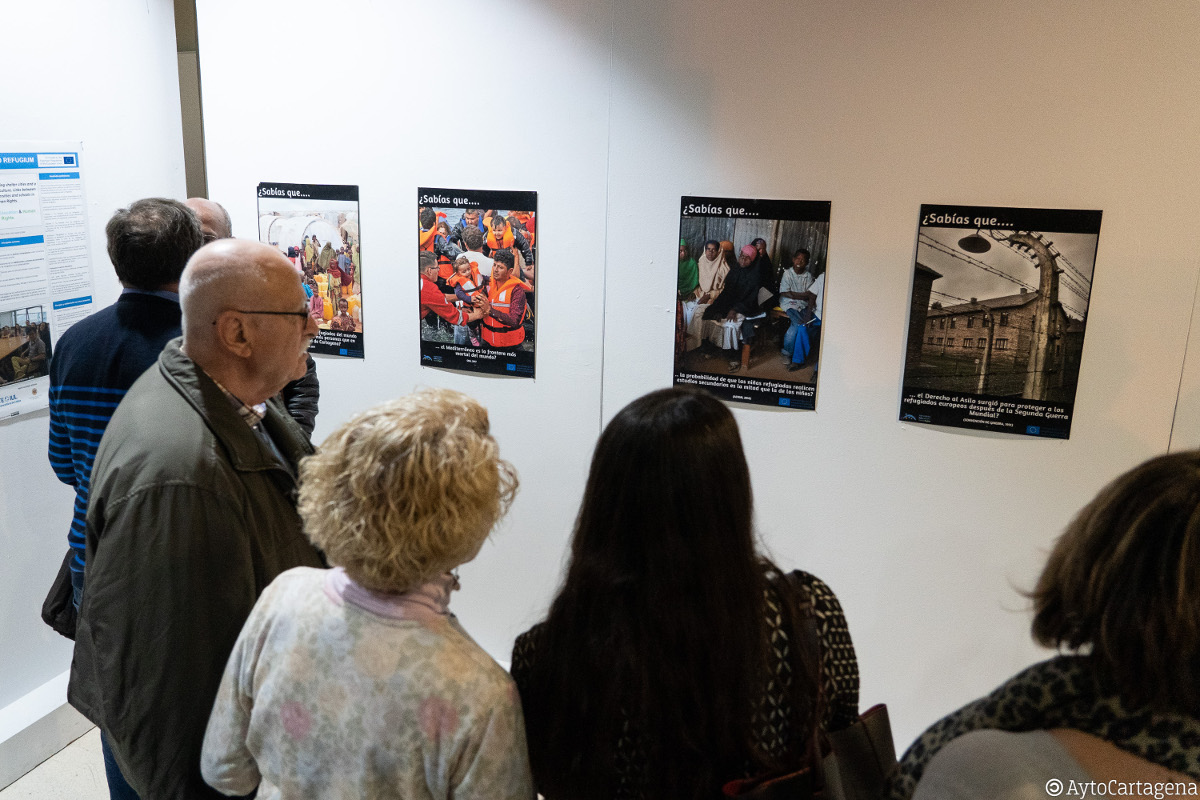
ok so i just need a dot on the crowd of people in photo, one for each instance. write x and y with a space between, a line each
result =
256 616
24 351
478 276
331 278
724 299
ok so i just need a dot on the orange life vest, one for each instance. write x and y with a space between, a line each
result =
495 333
507 239
445 267
427 237
527 220
456 280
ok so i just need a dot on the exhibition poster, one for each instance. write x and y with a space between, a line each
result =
750 299
477 259
45 265
998 313
316 227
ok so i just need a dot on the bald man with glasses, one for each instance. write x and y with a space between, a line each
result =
192 514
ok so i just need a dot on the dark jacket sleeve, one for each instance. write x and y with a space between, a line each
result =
159 620
522 244
302 396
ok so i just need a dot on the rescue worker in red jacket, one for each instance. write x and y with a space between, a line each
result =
504 307
434 300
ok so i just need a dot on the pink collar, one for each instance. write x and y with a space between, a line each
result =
426 603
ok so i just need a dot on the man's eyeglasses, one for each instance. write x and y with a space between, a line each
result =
303 315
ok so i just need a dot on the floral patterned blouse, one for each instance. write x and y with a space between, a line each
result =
336 692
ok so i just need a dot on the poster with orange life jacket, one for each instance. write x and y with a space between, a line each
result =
316 227
478 274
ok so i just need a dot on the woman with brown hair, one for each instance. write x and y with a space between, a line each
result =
675 657
1121 592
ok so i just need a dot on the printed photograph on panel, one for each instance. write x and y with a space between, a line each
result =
316 227
477 260
997 319
750 298
24 344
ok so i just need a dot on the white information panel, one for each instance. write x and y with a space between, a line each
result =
45 264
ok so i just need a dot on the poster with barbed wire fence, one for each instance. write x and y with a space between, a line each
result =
998 313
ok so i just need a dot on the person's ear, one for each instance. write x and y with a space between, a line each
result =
231 334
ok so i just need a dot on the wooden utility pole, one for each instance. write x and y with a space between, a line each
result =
1040 353
985 368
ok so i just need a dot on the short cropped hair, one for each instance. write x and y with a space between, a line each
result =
472 237
505 257
150 242
406 490
425 260
428 218
1123 583
803 251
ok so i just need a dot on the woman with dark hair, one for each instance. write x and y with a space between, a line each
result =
675 657
1121 591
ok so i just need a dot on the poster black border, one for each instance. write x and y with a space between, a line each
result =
747 208
1019 424
307 191
319 347
1042 220
440 355
321 191
755 394
510 200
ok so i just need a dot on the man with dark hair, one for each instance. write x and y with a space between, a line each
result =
472 239
99 358
792 300
215 221
471 218
501 236
33 359
504 306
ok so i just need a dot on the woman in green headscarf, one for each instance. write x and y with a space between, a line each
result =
685 306
689 272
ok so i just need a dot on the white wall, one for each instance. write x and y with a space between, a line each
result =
103 74
404 109
924 533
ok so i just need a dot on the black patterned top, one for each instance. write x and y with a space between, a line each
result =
772 721
1060 693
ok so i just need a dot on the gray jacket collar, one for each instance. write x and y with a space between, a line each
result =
246 453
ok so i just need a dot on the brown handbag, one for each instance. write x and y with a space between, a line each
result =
855 763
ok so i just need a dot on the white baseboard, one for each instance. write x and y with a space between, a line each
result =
36 727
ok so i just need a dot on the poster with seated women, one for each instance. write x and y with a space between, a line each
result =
750 298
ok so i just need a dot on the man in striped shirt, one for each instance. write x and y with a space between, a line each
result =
99 358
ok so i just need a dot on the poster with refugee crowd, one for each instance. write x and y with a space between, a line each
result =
316 227
750 298
477 257
998 312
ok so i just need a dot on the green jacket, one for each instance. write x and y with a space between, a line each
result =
190 516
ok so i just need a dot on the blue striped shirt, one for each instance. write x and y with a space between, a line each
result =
94 364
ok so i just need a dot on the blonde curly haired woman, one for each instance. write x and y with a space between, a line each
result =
358 681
